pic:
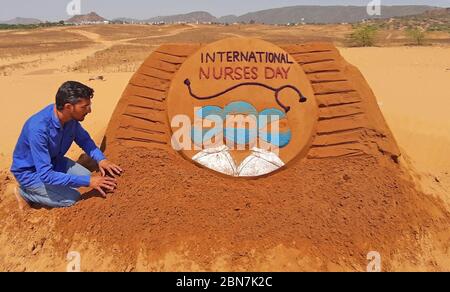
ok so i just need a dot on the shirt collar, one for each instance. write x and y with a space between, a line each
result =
55 120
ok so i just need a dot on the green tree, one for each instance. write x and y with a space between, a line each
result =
364 36
417 35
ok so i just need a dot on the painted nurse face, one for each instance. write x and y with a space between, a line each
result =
243 127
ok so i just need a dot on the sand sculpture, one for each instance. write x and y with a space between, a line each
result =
180 98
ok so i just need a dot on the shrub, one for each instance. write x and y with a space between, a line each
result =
364 36
417 35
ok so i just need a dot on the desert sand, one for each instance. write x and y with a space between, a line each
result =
410 83
412 88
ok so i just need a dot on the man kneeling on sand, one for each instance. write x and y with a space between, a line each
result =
45 176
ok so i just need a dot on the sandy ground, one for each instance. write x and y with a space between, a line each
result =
411 85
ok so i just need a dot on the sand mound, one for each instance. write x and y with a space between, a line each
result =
348 196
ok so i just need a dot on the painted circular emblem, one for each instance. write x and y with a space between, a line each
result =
241 107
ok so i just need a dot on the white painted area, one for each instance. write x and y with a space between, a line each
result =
260 162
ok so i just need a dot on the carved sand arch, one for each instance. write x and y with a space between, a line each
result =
349 121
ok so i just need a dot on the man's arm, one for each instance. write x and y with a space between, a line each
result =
41 157
86 143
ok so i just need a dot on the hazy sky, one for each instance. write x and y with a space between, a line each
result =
142 9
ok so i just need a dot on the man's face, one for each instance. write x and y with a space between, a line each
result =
80 110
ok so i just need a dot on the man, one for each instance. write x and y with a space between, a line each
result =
44 175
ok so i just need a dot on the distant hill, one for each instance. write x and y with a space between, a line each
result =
327 14
431 20
193 17
21 20
127 20
86 18
293 14
284 15
228 19
439 12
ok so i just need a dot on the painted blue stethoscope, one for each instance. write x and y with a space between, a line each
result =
277 91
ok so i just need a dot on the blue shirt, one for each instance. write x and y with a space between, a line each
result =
39 154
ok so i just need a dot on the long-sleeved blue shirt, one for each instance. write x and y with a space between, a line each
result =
39 154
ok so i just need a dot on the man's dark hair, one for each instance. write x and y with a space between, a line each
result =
71 92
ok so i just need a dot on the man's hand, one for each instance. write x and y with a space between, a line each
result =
107 167
100 182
